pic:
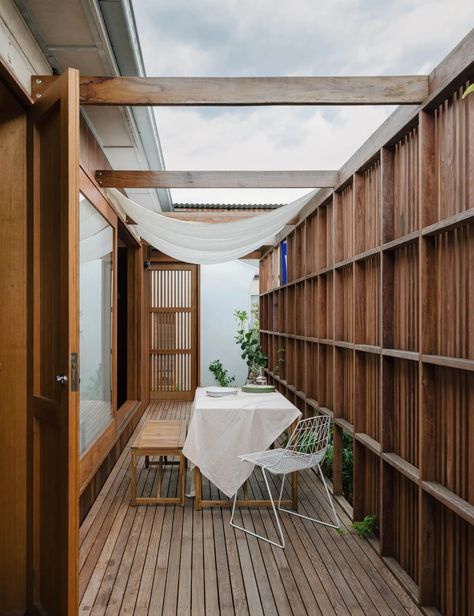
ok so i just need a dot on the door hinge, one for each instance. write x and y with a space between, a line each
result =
74 373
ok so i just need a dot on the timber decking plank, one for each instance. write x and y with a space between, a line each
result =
167 559
372 582
264 525
224 586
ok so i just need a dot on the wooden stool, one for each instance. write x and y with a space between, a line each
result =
162 439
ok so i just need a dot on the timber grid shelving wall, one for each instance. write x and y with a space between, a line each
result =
377 325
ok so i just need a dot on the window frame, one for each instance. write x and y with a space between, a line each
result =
92 458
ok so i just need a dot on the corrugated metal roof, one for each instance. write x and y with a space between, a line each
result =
226 206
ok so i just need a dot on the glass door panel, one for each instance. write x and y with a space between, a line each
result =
96 300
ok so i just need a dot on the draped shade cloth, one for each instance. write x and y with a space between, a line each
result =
206 243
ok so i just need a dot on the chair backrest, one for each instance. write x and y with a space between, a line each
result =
311 436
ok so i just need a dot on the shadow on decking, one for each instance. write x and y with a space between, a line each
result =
171 560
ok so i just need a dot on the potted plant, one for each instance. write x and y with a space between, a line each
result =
249 340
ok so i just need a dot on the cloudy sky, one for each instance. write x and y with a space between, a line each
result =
270 37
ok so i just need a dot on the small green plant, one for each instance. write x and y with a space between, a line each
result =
366 527
221 375
469 90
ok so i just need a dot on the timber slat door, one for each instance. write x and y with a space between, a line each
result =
54 335
173 331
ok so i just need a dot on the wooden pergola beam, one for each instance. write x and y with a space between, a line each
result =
243 91
212 216
217 179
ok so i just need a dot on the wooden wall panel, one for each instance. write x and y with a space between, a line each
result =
405 395
92 155
453 426
343 225
366 484
405 334
454 146
453 279
368 200
344 304
367 301
344 386
453 563
367 395
405 185
405 522
388 342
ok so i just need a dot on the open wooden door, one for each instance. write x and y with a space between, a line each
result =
54 335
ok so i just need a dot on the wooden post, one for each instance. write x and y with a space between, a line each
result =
427 204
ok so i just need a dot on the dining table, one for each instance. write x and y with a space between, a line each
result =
223 428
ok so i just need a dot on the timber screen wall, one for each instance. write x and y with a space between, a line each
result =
375 327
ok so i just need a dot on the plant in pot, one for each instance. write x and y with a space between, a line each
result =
248 339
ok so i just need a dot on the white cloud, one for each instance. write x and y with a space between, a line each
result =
270 37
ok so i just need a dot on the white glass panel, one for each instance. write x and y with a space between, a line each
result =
96 250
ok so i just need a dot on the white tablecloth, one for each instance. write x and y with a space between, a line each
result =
221 429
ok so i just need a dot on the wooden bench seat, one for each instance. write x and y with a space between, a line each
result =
159 439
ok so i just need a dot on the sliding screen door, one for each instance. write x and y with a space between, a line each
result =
54 335
173 331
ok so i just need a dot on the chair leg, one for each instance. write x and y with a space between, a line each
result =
336 524
277 518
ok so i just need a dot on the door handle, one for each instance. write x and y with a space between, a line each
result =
61 379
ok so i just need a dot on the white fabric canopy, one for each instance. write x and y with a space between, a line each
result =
206 243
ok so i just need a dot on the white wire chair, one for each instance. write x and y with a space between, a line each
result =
305 449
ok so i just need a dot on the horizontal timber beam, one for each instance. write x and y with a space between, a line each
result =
217 179
212 216
242 91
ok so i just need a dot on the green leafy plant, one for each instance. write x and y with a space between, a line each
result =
347 464
249 341
366 527
221 375
469 90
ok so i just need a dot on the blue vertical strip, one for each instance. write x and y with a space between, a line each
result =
283 262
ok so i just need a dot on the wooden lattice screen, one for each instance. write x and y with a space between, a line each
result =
375 327
173 330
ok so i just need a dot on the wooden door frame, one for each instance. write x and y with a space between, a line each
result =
157 258
64 93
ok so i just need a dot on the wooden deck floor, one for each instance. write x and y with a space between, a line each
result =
171 560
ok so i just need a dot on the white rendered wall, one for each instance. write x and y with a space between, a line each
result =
224 288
